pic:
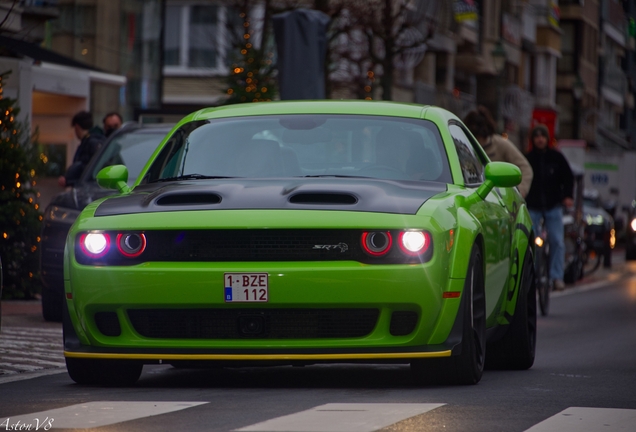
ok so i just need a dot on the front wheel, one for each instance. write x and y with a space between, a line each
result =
468 366
113 373
516 350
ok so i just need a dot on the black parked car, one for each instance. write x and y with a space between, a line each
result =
630 232
132 146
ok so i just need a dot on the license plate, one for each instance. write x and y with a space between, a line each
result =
245 287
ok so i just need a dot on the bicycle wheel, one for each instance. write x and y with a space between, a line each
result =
543 281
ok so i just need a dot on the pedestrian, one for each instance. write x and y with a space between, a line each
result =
497 147
90 141
552 187
112 121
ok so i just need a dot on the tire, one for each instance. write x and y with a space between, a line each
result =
516 349
52 301
467 367
111 373
607 255
542 272
574 272
630 252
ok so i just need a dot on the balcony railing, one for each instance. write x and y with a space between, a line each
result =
614 78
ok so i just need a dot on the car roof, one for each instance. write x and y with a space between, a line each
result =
354 107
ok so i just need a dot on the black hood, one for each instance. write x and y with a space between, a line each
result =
364 195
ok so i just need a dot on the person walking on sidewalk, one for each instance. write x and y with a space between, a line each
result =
497 147
552 187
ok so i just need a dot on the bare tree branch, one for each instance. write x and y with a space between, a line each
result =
6 17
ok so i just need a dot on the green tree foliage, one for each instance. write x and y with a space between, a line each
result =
20 218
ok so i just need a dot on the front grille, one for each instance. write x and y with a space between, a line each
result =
107 323
403 323
270 245
276 323
255 245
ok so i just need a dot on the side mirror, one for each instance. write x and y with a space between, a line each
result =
114 177
503 174
498 174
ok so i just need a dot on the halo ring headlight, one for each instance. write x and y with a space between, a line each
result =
95 245
131 245
377 243
414 242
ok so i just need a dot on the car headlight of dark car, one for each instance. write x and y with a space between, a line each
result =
61 215
594 219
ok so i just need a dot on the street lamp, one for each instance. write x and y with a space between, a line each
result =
499 62
578 87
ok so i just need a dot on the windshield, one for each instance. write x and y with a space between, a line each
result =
131 149
304 146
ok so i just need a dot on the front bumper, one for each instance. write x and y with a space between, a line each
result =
197 288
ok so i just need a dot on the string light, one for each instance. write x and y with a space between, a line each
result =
244 81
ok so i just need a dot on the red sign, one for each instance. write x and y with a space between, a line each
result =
548 118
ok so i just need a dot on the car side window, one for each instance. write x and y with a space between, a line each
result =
472 167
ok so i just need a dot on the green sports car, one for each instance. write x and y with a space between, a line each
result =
305 232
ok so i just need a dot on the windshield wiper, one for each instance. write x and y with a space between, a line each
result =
333 175
191 177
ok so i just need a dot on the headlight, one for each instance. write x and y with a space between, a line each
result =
95 245
131 245
594 220
61 214
376 243
414 242
538 241
633 224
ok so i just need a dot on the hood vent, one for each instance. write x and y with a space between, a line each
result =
322 198
189 199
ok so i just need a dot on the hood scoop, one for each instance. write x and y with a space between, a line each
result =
323 198
182 199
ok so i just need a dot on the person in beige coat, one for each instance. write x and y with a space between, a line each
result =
482 126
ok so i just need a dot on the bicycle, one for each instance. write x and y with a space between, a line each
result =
542 269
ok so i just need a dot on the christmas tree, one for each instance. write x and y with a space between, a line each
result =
20 218
251 76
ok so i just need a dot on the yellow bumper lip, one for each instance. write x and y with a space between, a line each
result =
328 357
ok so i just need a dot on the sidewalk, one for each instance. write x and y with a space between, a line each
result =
24 313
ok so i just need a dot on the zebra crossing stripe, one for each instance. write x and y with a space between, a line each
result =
343 417
27 353
95 414
577 419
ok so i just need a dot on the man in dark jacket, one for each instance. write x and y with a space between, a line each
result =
91 140
552 187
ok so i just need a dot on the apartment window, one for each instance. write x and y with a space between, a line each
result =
194 41
566 63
